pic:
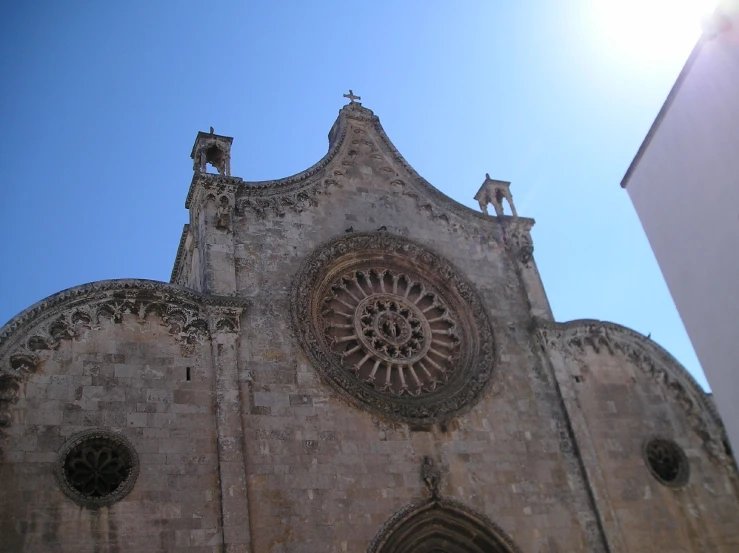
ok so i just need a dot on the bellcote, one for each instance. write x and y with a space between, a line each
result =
493 192
213 149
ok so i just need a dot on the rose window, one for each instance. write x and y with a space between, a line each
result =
390 331
393 327
667 462
97 468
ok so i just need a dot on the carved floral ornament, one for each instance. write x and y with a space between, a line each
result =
393 327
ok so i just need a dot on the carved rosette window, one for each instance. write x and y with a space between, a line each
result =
667 462
394 327
97 468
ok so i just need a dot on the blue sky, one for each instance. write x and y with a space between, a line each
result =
101 103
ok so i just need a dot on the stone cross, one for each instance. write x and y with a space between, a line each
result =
351 96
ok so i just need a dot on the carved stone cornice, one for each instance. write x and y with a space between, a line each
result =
462 372
575 336
190 317
63 315
224 318
208 181
180 254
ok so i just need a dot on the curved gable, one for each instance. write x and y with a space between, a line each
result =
28 338
605 337
357 133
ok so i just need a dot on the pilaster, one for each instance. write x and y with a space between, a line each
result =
224 330
590 466
517 232
212 212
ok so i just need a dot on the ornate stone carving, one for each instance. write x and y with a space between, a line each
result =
393 332
223 215
430 476
69 314
225 320
443 525
393 327
96 468
518 239
302 191
183 322
278 204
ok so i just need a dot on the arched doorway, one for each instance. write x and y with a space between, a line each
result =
440 526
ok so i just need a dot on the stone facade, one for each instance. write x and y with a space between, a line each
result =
348 360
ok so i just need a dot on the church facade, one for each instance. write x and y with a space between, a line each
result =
348 360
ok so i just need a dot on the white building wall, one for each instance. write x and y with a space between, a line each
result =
684 185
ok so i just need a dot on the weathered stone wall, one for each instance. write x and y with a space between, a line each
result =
622 390
255 452
129 375
324 475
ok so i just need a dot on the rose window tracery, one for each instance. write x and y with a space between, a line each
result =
391 331
97 468
667 462
393 327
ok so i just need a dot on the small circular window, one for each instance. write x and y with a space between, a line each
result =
97 468
667 462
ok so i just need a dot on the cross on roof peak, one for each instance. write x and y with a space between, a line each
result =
351 96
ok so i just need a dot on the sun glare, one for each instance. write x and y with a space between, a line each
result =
650 30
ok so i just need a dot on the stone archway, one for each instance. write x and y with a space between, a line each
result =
440 526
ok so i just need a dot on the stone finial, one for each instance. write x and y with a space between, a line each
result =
492 192
352 97
214 149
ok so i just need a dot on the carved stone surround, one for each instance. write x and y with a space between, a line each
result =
189 317
393 327
472 529
575 336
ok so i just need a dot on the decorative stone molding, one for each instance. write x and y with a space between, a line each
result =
303 191
576 336
393 327
225 319
277 204
422 525
71 313
96 468
518 239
